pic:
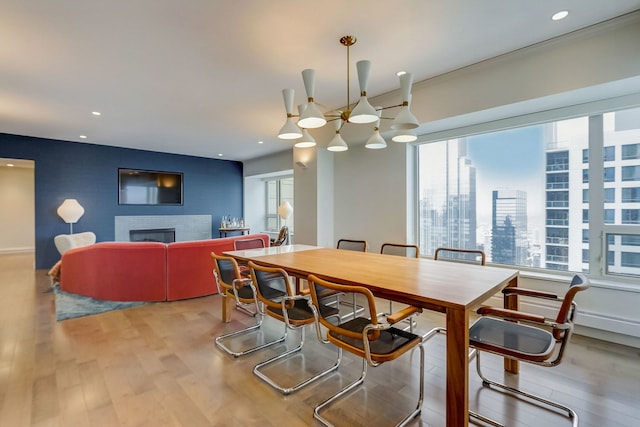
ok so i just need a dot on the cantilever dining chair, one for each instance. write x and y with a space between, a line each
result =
251 243
278 300
535 339
357 246
405 250
473 256
233 285
367 337
470 256
283 237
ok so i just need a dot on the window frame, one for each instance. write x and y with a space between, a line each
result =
597 229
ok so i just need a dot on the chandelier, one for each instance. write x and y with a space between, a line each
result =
310 117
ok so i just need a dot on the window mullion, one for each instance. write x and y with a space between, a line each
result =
597 258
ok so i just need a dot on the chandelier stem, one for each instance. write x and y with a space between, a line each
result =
348 79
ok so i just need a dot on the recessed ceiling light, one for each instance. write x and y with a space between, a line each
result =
219 154
96 113
83 136
260 142
10 165
560 15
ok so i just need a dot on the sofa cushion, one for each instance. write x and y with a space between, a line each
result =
64 242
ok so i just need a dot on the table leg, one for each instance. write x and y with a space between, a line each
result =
457 368
511 303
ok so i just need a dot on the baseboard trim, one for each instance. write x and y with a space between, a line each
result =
17 250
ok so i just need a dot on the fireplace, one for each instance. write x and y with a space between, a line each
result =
163 235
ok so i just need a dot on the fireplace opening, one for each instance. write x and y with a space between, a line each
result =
162 235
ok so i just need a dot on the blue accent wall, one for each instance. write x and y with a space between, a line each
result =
89 173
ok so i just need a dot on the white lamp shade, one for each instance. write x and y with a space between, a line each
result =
289 130
337 144
376 141
311 116
363 111
406 135
70 211
405 120
285 210
306 141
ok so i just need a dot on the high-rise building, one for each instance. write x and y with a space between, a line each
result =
448 204
509 238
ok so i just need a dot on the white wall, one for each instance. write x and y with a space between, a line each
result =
17 209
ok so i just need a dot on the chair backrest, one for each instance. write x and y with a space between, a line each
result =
271 284
283 236
400 249
226 269
64 242
352 245
242 244
567 310
460 255
318 286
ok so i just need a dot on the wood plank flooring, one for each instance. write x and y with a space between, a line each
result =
157 365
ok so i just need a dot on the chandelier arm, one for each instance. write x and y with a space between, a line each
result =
348 79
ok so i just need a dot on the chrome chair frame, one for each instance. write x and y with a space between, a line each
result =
287 303
238 283
557 332
370 333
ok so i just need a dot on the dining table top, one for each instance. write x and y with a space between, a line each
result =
419 281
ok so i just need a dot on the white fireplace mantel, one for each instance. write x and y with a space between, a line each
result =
188 227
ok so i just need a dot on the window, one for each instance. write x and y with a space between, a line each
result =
278 191
631 194
609 174
630 216
609 195
474 193
631 173
609 154
630 259
630 151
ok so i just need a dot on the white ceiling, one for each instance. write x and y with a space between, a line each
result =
203 77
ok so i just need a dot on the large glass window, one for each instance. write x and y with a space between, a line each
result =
486 191
278 191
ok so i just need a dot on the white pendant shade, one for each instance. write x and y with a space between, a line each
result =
406 135
337 143
405 118
376 141
311 117
306 141
363 111
289 130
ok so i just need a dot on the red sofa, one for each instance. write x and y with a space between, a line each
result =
144 271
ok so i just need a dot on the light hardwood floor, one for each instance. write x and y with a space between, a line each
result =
157 365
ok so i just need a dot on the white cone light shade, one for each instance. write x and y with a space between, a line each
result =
363 111
405 118
337 143
289 130
307 140
285 210
376 141
406 135
311 117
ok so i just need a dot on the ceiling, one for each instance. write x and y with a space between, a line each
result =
204 77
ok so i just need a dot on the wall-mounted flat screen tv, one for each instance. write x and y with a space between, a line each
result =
141 187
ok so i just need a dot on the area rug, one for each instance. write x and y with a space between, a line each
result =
69 306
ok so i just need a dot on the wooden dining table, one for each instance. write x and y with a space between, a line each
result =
453 288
